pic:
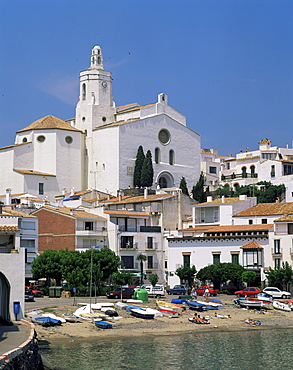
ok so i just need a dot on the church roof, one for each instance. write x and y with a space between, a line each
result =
49 122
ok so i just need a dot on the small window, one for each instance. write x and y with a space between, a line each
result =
235 258
250 222
186 260
83 92
213 169
150 242
24 140
273 173
150 262
89 225
41 138
264 221
171 157
104 119
277 246
41 188
157 155
68 139
164 137
216 258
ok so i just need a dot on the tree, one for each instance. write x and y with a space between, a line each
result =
198 192
220 273
249 277
48 265
147 171
280 277
186 273
153 278
138 166
141 258
121 278
183 186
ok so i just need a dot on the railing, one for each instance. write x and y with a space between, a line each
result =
96 230
235 176
151 248
150 229
5 249
131 229
153 266
206 220
130 246
277 252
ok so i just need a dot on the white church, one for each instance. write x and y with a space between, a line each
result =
97 149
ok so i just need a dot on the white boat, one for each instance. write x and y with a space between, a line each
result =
71 318
281 306
54 317
121 305
155 312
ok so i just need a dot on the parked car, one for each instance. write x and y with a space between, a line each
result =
28 297
35 290
251 291
126 293
179 289
156 291
212 292
276 292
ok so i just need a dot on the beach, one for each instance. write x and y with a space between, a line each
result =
129 326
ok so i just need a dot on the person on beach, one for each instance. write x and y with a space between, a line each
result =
206 292
194 294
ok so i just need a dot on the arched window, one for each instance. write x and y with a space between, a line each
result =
252 171
171 157
157 155
83 92
244 173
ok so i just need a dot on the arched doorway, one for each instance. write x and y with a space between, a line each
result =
165 180
4 297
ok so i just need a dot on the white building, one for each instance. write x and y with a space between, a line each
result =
268 163
258 237
97 149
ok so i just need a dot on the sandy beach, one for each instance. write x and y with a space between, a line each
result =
131 326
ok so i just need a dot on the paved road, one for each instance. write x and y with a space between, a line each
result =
13 336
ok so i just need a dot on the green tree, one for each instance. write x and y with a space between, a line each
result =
140 157
198 192
141 258
121 278
220 273
186 273
183 186
153 278
249 277
280 277
147 171
48 265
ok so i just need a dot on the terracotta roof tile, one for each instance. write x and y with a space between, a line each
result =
75 213
251 245
49 122
126 213
9 228
219 201
32 172
267 209
285 218
139 199
262 227
12 212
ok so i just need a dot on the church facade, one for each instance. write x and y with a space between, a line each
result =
97 149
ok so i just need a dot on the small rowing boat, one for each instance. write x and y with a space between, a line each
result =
281 306
142 314
103 324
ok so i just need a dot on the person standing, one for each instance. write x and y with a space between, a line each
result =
206 292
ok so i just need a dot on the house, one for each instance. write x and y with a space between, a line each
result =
12 264
268 163
70 228
140 224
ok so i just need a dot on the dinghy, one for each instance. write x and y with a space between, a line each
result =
142 314
281 306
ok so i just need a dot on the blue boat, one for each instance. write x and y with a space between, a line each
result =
178 300
200 306
103 324
45 320
142 314
129 308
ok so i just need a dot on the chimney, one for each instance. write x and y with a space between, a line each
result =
72 212
209 198
8 197
223 198
72 192
64 191
120 196
242 197
145 193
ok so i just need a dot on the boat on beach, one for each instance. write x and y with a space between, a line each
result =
142 314
198 305
71 318
248 303
45 320
281 306
173 306
169 313
103 324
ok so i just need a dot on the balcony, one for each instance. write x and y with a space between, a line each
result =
130 229
128 247
150 229
235 176
151 248
7 250
81 231
277 253
206 220
153 266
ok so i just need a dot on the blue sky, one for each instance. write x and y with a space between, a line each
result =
226 64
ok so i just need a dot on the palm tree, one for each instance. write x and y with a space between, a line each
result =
141 257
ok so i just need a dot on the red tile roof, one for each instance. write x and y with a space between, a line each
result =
251 245
267 209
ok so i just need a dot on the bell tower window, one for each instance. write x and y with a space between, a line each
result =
83 94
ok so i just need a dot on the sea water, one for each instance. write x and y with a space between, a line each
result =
243 350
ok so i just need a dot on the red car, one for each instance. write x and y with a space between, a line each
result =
126 293
250 291
34 290
212 292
